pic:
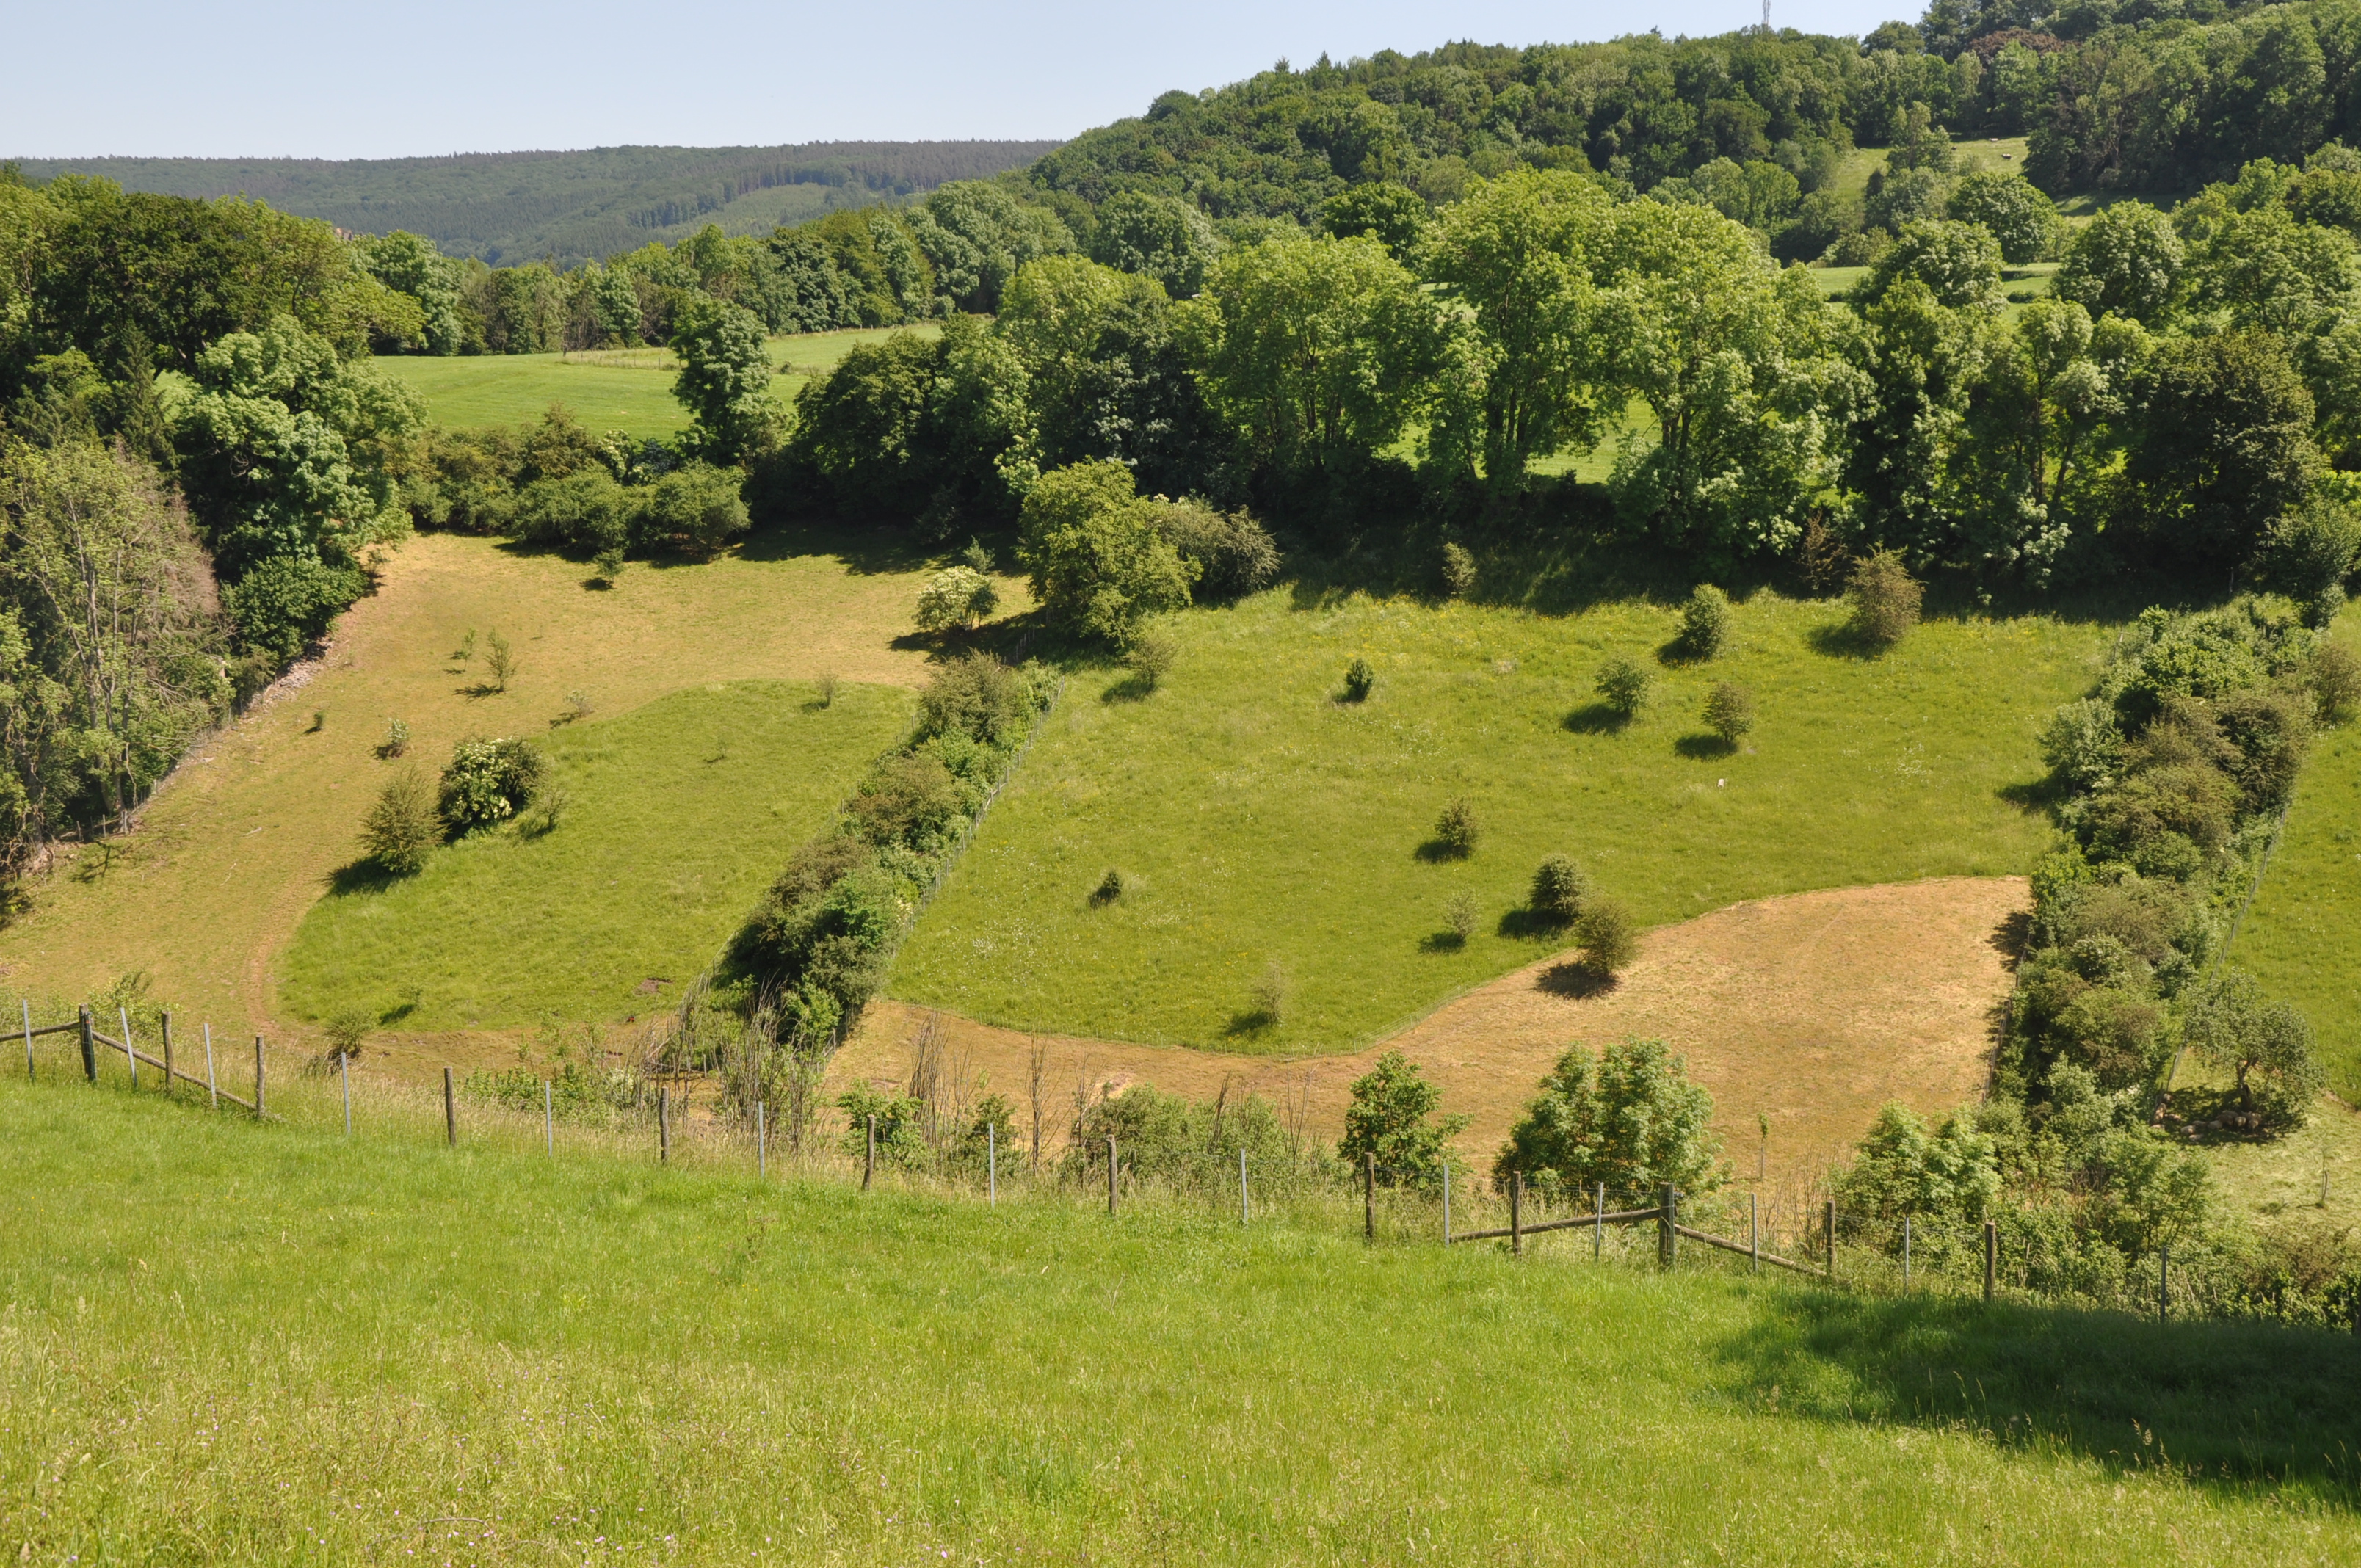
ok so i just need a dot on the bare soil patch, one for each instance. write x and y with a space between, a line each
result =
1812 1010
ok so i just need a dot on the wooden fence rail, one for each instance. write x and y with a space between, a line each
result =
1613 1217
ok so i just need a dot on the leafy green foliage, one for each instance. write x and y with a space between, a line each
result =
1155 236
1901 1168
1560 889
1729 712
1099 565
1234 555
725 378
2268 1046
956 597
1456 829
1604 932
1704 622
488 782
1393 1117
1628 1118
1360 679
404 826
1623 686
1884 598
2023 220
1458 570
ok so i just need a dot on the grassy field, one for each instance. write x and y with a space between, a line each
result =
2301 937
225 1343
627 390
1261 821
679 812
202 896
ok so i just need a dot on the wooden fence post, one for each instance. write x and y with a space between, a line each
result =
212 1086
1597 1222
450 1110
1370 1196
345 1073
89 1050
1446 1201
1753 1233
168 1053
258 1078
1830 1225
1111 1170
28 1036
1516 1213
2163 1279
664 1123
869 1160
1667 1216
762 1145
1991 1258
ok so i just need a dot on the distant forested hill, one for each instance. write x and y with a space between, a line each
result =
570 206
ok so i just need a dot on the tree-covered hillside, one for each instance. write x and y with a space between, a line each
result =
570 206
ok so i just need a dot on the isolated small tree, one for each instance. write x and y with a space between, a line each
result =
1704 622
1559 889
1458 570
1151 657
607 565
1359 680
2268 1045
1459 915
1604 932
1630 1120
976 558
956 597
2334 675
402 829
2309 552
1269 997
1393 1117
397 738
1457 829
501 661
1884 598
1623 686
1729 712
489 782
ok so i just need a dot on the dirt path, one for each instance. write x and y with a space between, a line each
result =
1812 1010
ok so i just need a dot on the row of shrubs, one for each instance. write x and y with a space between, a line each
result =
487 782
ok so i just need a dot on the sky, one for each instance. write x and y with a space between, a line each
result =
277 79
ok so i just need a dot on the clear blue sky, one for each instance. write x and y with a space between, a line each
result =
317 79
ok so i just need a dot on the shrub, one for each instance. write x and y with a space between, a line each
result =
1729 711
1606 937
2334 675
1455 828
1459 914
1899 1169
695 509
2083 745
1622 685
489 782
578 707
901 1133
607 565
1631 1121
978 696
501 661
584 510
910 798
1559 889
976 558
828 685
1110 887
2309 552
1234 555
1704 622
1359 680
1458 570
346 1029
397 738
1098 564
287 601
402 829
1393 1117
1269 995
956 597
1151 657
1884 598
2268 1046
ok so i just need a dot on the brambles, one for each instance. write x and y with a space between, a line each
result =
489 782
1151 657
1884 598
1458 570
1359 679
402 829
501 661
1559 889
1606 937
1622 685
1455 829
1729 712
1704 622
956 597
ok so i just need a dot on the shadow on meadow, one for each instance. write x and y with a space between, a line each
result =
2222 1403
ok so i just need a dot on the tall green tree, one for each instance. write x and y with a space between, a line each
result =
725 379
1628 1118
1394 1119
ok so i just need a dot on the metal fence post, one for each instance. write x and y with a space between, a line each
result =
2163 1280
258 1078
1516 1213
1245 1211
762 1143
345 1073
664 1124
992 1162
1111 1170
549 1118
1446 1201
1597 1222
450 1110
130 1059
28 1036
1370 1196
1991 1258
1753 1233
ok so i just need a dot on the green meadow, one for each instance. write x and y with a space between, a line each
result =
1259 819
230 1343
677 814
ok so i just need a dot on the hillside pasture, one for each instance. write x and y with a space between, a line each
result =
1263 823
226 1343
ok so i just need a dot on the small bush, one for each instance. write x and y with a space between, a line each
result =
1605 934
501 661
1458 570
1885 599
1729 711
2334 675
607 565
1269 995
826 684
402 829
489 782
1459 915
1622 685
1234 555
977 696
976 558
910 798
397 738
1559 889
2309 552
1359 680
696 510
1704 622
578 707
1110 887
956 597
347 1030
1151 657
1455 828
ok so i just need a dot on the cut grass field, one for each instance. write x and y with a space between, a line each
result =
223 1342
678 814
2301 937
629 390
1260 821
208 889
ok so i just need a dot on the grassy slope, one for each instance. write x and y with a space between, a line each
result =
2302 935
629 391
229 1344
1264 821
234 848
678 812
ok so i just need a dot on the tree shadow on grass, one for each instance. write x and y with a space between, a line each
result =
1576 979
1843 640
1136 686
1440 852
2040 794
360 879
2225 1404
1441 942
1521 924
1248 1025
1705 747
1598 718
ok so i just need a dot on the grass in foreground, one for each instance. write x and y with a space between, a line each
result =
2301 937
1259 820
678 814
221 1342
